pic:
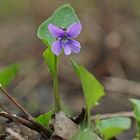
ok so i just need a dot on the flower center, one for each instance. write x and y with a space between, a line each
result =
64 37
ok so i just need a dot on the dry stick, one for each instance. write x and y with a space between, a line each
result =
25 122
16 103
29 117
109 115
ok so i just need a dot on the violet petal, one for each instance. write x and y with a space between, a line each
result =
74 30
67 49
55 31
74 46
56 47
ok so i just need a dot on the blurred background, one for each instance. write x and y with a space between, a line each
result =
110 43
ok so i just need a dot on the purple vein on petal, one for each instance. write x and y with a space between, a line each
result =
56 47
74 30
75 46
55 31
67 49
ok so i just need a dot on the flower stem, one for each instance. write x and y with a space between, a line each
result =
55 84
88 118
138 131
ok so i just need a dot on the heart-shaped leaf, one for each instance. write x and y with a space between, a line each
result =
62 17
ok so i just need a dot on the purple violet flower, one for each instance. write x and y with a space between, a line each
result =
64 38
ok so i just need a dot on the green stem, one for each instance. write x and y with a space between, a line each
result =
138 130
55 84
88 118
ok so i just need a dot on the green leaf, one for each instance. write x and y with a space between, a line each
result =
63 17
93 90
49 59
7 74
136 110
76 68
113 126
87 134
44 119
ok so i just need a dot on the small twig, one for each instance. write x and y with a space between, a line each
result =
110 115
16 103
27 123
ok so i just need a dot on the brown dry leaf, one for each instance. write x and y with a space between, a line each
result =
64 126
